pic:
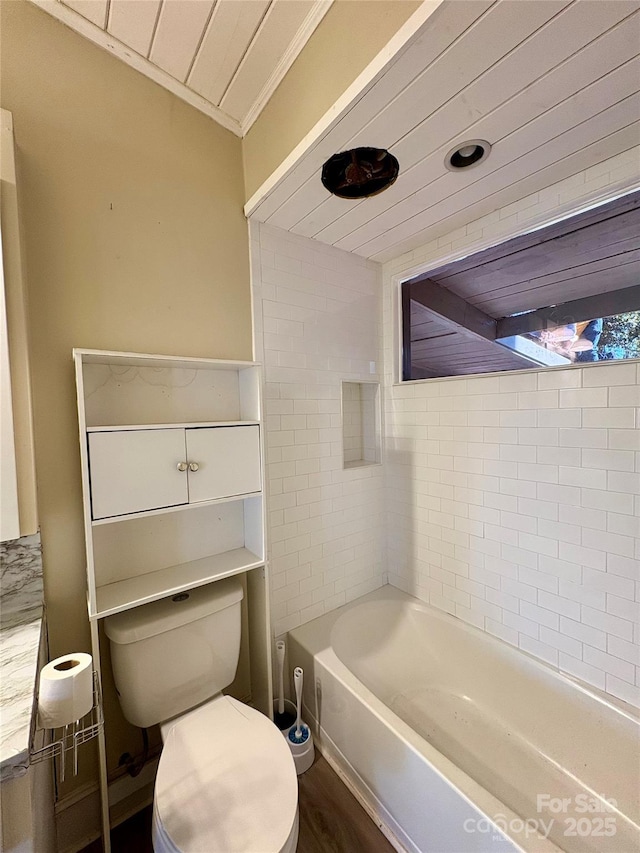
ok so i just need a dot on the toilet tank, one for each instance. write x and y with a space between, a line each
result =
171 655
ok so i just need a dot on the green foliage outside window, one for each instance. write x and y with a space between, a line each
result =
620 337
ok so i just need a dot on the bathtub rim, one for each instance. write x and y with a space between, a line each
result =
388 592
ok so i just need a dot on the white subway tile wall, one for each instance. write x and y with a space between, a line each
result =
513 500
317 313
530 532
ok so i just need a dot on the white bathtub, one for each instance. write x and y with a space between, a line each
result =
457 742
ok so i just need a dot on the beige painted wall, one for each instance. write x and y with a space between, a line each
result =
134 240
350 35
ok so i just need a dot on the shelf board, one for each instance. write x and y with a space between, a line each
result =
132 592
132 516
183 425
359 463
136 359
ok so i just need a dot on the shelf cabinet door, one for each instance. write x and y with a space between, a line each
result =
228 460
136 470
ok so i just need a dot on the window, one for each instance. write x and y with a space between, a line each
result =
568 293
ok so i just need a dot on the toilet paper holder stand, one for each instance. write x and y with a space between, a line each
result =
64 742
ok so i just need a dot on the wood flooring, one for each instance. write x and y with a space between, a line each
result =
331 821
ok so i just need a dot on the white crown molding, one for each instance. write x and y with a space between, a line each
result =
400 42
85 28
307 28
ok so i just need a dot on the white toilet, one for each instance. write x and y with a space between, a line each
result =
226 780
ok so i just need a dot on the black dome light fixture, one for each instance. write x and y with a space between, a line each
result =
360 172
467 154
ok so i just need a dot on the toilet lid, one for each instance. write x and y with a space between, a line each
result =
226 782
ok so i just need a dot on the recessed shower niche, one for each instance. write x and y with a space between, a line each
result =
360 424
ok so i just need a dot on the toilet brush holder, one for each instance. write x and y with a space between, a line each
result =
285 720
301 748
299 735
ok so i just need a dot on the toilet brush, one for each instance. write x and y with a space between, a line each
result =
282 718
299 733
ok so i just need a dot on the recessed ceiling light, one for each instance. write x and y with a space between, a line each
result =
467 154
360 172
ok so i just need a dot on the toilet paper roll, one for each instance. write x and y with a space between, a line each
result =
66 690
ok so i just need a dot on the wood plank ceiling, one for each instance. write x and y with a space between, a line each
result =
553 86
225 57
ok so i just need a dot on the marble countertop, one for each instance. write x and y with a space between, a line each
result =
21 626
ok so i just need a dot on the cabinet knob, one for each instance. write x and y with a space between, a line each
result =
193 466
182 466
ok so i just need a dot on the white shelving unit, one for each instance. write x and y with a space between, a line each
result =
172 472
155 527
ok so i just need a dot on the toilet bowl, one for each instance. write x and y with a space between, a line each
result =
226 784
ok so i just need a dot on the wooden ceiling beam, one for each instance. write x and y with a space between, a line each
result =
451 310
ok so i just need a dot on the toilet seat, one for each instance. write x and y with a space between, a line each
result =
226 783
